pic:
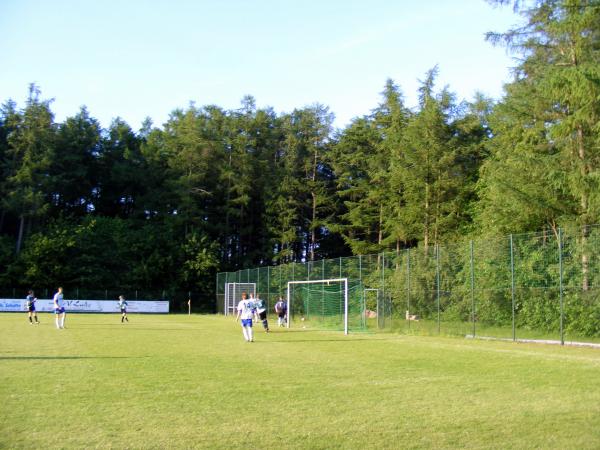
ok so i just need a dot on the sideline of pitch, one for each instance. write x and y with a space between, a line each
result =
536 341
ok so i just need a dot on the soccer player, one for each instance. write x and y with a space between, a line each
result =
280 310
245 311
123 307
31 308
261 309
59 308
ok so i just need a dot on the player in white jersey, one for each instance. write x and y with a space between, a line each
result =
123 308
245 311
59 308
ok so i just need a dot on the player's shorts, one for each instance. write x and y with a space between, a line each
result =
59 310
281 314
246 322
123 310
262 315
31 308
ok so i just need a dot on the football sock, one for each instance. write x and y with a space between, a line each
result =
57 322
245 333
62 321
250 334
30 319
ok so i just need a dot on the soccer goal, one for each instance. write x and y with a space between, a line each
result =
325 304
233 295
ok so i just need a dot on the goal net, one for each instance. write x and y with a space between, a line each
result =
325 304
233 295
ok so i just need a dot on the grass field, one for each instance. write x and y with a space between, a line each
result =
192 382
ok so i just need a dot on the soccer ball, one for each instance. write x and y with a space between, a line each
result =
302 319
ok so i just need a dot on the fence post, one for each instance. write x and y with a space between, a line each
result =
437 278
512 286
408 283
472 288
560 280
360 269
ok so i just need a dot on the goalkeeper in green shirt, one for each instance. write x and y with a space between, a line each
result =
261 309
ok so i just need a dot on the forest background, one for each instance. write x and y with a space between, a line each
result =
163 209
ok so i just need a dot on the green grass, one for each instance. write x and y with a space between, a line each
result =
193 382
428 327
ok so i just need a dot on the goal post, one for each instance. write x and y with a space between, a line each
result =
333 302
233 295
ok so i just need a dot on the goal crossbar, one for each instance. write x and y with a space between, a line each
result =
329 280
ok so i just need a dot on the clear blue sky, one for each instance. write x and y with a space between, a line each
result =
134 58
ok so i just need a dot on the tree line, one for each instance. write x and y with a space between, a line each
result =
218 190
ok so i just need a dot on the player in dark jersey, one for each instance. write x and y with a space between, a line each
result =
32 313
281 311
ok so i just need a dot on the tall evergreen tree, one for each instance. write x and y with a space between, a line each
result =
306 182
30 152
424 168
121 178
74 171
353 161
9 121
549 122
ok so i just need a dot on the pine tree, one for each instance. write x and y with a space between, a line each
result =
352 159
74 171
424 168
361 161
30 151
549 123
306 181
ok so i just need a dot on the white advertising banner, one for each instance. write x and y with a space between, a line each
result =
90 306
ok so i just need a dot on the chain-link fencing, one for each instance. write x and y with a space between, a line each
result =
542 285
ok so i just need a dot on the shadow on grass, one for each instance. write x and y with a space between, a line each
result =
4 358
137 328
341 339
